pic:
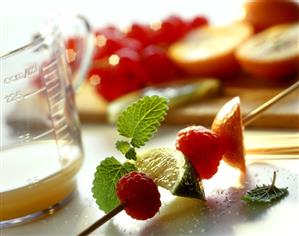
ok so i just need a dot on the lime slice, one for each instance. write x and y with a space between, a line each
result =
169 169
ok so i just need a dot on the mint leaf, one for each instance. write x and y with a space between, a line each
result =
126 149
141 119
131 154
106 177
265 193
123 146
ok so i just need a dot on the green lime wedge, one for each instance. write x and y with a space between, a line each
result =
169 169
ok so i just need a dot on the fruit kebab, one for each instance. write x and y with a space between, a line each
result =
234 141
137 192
228 126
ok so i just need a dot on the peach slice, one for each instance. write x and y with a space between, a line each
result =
273 53
228 125
210 50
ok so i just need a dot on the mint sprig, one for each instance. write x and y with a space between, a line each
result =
106 177
138 123
265 193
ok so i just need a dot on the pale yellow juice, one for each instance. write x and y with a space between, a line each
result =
34 178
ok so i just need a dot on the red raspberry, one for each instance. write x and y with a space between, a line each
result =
202 147
109 31
139 195
143 33
126 75
198 21
157 64
172 29
111 46
76 44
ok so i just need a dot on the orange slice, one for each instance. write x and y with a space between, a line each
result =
228 125
273 53
209 50
263 14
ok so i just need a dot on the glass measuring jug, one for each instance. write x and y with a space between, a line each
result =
41 149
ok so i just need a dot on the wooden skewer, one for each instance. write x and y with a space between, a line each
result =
274 150
102 220
251 116
254 114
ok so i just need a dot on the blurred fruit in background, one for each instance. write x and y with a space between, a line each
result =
176 48
128 61
273 53
210 50
266 13
74 46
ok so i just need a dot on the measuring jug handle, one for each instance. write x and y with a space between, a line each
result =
79 52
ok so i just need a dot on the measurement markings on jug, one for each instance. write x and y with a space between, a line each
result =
54 87
14 97
28 73
51 80
61 129
50 74
53 97
59 102
50 65
25 138
28 95
43 134
66 144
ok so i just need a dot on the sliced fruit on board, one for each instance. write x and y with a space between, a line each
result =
264 13
228 125
169 169
273 53
210 50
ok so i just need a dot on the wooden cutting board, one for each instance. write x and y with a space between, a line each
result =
252 92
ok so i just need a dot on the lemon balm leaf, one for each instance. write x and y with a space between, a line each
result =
123 146
106 177
141 119
131 154
265 193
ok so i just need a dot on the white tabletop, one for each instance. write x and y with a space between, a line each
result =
223 213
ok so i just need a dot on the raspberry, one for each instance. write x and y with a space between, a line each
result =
198 21
202 147
126 75
139 195
172 29
142 33
157 64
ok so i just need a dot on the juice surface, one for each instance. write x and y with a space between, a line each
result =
34 177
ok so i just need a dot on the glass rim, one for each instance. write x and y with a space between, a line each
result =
35 41
29 45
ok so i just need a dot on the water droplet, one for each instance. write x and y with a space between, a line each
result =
51 211
203 230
